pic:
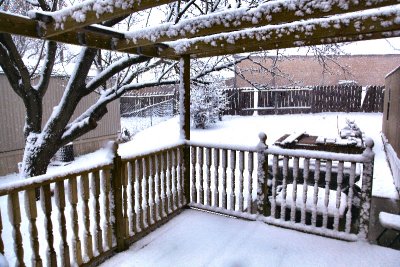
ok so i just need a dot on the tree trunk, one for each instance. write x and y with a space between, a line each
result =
37 155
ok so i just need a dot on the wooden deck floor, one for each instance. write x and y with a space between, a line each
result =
196 238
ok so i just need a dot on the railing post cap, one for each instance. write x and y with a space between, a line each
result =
369 144
262 144
263 137
113 145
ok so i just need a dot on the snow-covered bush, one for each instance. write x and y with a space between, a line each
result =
207 103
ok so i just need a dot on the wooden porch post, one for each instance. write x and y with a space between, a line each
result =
184 120
184 97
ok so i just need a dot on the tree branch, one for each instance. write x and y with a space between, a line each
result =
47 68
111 70
13 66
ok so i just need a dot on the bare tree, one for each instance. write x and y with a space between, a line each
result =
42 142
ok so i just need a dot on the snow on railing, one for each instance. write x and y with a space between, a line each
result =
318 192
112 205
313 191
152 187
73 225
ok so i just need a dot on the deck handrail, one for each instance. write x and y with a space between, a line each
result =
144 190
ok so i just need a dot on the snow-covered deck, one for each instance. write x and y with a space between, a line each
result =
196 238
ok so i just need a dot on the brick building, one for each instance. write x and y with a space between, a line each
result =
306 70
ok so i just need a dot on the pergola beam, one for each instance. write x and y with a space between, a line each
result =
352 27
270 13
87 13
90 36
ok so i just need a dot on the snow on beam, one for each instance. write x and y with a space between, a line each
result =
15 24
20 25
366 25
274 12
89 12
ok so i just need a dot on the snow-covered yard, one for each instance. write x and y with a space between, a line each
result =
239 130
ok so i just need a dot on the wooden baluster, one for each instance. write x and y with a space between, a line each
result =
124 183
207 152
163 185
157 186
294 193
215 176
60 202
250 167
14 213
131 197
273 191
328 176
168 182
87 236
232 196
200 162
180 179
316 188
338 196
350 196
224 165
174 177
47 209
151 191
145 206
107 222
1 239
76 256
98 237
31 213
138 195
305 189
285 170
193 174
241 180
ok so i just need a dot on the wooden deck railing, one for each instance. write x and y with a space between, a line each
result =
87 216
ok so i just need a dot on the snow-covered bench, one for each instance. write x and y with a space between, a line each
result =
389 221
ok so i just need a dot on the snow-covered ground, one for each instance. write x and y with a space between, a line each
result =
196 238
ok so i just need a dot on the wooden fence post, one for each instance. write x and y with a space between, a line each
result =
116 181
366 190
262 175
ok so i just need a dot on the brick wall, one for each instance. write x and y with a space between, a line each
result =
306 70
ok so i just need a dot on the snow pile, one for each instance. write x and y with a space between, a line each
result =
320 208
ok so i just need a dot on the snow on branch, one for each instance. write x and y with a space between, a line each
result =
114 68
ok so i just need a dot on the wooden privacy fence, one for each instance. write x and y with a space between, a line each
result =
245 101
305 100
88 215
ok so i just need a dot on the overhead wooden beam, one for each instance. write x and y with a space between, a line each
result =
270 13
93 36
87 13
350 27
